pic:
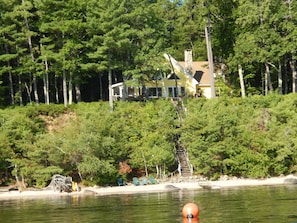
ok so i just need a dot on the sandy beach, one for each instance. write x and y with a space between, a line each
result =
161 187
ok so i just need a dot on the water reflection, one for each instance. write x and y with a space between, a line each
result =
257 204
190 220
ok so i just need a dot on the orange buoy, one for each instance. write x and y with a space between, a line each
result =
190 220
190 210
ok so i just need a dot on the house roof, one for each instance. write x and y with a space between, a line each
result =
200 72
180 68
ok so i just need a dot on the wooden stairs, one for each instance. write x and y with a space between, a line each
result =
185 168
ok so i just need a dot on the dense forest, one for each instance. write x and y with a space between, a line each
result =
58 57
54 51
252 137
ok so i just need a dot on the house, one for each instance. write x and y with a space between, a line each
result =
187 78
199 70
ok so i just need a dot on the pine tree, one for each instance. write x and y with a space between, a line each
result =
258 41
8 54
63 29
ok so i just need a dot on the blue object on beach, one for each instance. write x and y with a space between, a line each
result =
143 181
121 182
135 181
152 180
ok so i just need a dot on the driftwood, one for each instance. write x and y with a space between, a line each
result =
60 183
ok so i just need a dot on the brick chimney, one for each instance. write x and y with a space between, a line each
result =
188 60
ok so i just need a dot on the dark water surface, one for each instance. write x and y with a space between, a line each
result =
250 204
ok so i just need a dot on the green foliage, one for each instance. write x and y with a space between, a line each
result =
251 137
150 131
43 175
97 170
52 46
43 109
248 137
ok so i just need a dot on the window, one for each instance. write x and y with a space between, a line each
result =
116 91
131 92
154 92
172 92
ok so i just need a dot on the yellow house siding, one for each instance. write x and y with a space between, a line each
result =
185 79
181 82
188 82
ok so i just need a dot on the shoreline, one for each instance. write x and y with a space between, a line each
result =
151 188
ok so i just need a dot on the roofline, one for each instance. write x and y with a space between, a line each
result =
176 65
117 84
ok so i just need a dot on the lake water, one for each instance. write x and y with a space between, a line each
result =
251 204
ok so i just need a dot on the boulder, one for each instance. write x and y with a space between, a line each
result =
290 180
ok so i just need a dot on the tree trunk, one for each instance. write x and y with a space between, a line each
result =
280 78
240 73
65 98
17 178
145 165
29 91
70 89
124 93
110 90
294 75
268 83
157 170
20 90
35 89
271 89
11 90
11 87
163 86
32 58
56 91
210 61
77 93
20 84
23 182
64 79
45 79
46 85
285 76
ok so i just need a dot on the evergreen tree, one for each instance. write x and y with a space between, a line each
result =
8 54
287 28
258 41
63 32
